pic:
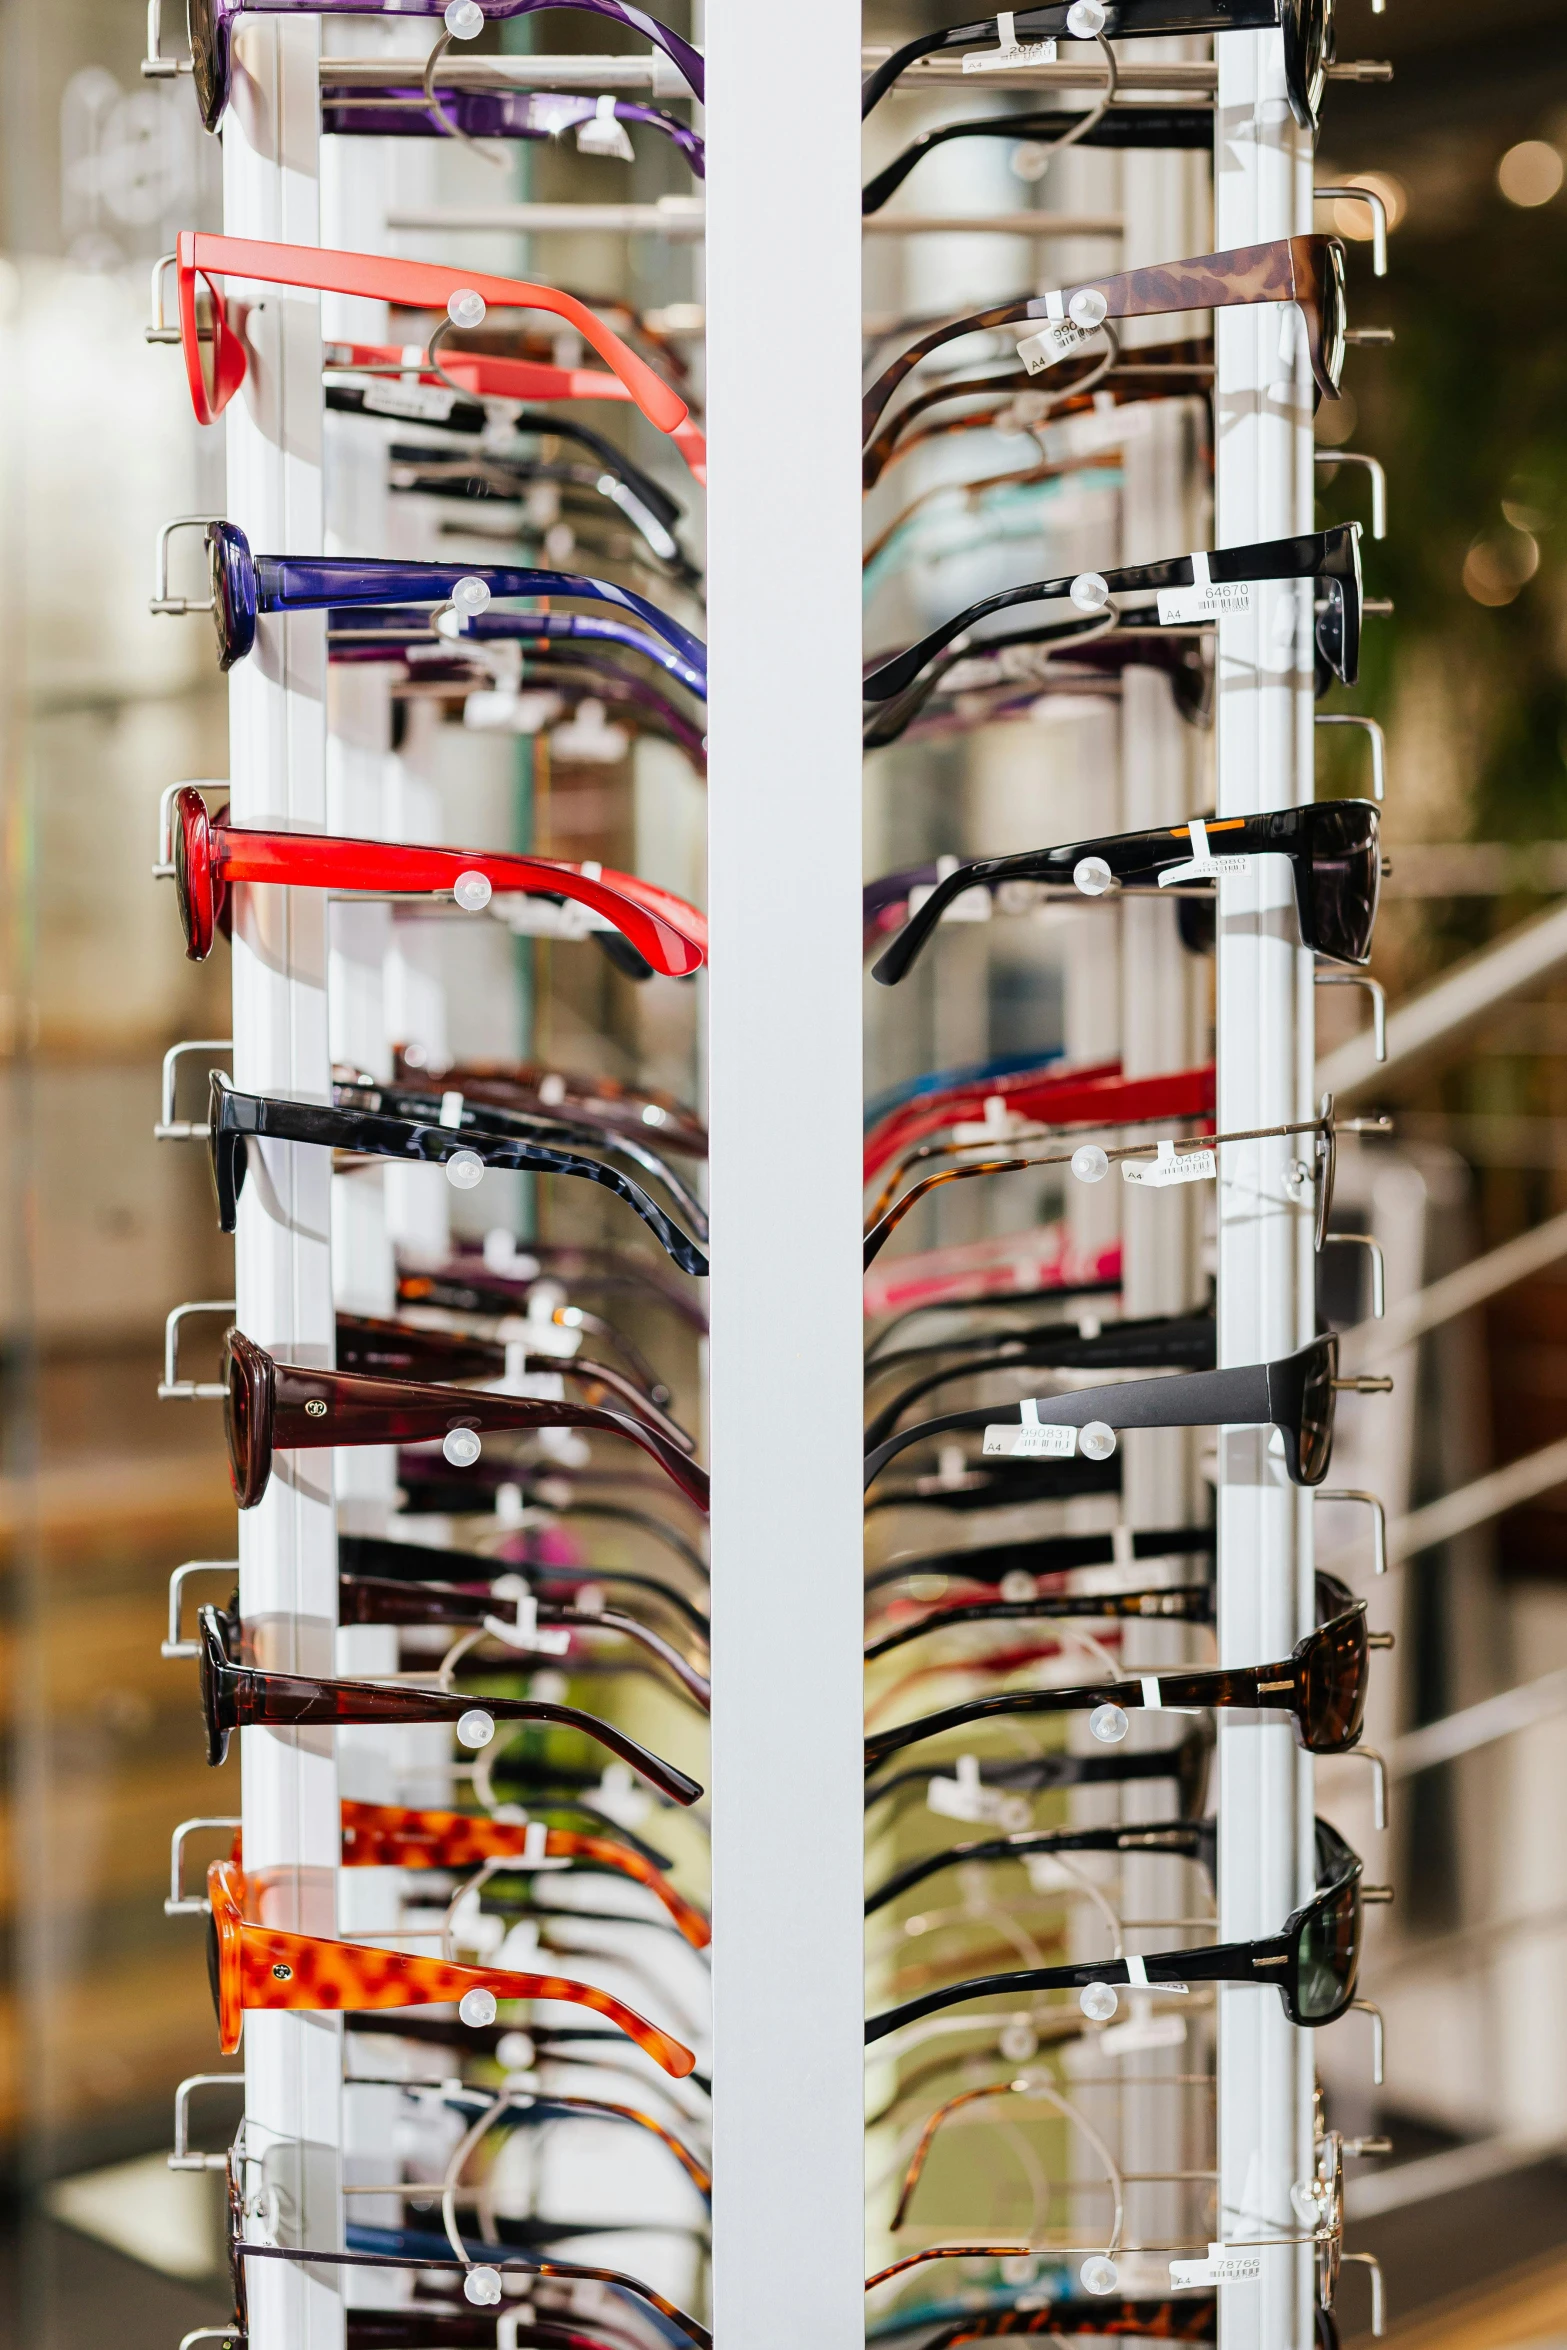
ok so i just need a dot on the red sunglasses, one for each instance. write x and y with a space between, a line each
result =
1090 1095
215 355
209 854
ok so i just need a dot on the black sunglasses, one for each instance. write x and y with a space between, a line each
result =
1169 127
1322 1683
1162 1342
1039 1555
1329 556
998 1784
1314 1961
234 1116
1307 26
1294 1393
1195 1840
1334 847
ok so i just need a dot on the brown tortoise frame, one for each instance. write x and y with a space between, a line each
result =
385 1835
1308 271
261 1967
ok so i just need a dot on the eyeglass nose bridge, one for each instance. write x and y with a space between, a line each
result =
172 1129
162 603
182 2157
176 1644
179 1903
171 1387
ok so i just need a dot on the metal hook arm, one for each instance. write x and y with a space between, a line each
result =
1378 741
1379 222
163 870
182 2158
1378 1520
1378 2037
162 602
176 1644
180 1903
1378 2298
1378 995
155 67
172 1129
1378 472
171 1387
1378 1792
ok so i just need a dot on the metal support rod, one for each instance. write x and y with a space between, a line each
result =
1265 1297
787 1328
287 1544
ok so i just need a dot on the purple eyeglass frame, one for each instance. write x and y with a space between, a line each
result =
211 26
491 114
410 627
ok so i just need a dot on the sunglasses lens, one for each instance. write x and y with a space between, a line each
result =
207 59
215 1966
207 341
1334 317
1346 879
1329 1957
238 1412
1316 1421
1336 1683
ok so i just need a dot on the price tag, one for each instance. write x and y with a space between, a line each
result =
1011 53
1206 598
1204 865
432 403
1171 1166
1053 344
1222 2267
1034 1440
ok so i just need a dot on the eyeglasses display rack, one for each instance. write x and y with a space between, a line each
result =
791 1906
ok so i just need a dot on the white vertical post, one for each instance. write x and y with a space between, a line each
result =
784 886
1266 1302
288 1586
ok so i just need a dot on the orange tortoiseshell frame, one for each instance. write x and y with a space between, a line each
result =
1305 270
261 1967
383 1835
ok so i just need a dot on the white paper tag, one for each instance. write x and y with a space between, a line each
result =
964 1797
1220 2268
1011 52
431 402
1203 864
1054 343
451 1109
1171 1166
1033 1441
1205 599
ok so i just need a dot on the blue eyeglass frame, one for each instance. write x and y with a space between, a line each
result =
245 585
411 625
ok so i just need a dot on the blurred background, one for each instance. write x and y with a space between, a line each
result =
103 2006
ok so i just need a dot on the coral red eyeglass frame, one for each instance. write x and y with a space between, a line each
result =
386 1835
215 356
209 854
253 1966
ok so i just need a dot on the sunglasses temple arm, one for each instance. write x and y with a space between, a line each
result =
1010 1703
1225 1962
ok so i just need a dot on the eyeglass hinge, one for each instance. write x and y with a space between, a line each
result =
172 1129
171 1387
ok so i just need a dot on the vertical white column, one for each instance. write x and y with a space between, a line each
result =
288 1586
784 829
1266 1301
